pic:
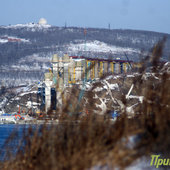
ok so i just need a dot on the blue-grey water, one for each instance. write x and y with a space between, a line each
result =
10 138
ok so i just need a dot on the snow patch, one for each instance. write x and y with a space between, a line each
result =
3 40
97 46
32 104
130 76
111 86
32 26
140 98
23 94
17 98
102 106
6 39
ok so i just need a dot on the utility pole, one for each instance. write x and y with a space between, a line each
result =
65 26
109 26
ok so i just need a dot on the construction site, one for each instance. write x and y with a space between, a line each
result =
70 70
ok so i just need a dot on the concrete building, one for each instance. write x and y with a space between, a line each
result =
68 70
48 86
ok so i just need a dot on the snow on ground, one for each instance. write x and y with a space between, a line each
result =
130 109
130 76
111 87
32 104
88 86
34 62
31 26
146 76
3 102
102 106
24 67
21 67
142 163
25 93
1 111
36 58
114 86
113 77
22 89
17 98
97 89
97 46
7 38
3 40
140 98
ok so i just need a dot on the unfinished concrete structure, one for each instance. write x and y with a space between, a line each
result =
68 70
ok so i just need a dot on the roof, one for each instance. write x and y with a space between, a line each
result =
99 59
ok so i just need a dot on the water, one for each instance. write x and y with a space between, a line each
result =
11 136
6 130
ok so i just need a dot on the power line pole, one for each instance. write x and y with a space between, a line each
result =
109 26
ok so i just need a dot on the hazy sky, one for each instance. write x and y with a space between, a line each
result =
151 15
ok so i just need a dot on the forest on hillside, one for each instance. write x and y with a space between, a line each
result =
53 39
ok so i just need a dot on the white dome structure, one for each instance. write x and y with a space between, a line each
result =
42 21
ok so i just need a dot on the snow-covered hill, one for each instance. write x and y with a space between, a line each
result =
30 26
98 46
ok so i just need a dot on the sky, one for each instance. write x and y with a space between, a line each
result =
151 15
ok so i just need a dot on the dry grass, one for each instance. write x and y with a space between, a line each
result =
83 142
